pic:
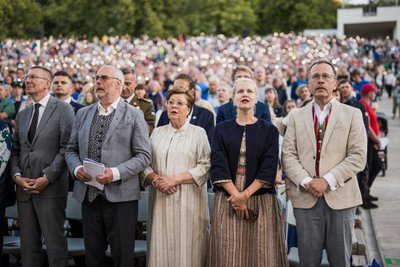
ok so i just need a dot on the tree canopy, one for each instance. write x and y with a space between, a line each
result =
163 18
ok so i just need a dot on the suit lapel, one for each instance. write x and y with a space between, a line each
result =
86 126
50 107
195 115
117 118
232 110
333 118
309 122
25 120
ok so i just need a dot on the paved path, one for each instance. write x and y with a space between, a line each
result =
386 218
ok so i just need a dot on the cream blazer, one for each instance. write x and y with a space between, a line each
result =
343 154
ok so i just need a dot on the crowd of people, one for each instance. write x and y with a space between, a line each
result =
182 117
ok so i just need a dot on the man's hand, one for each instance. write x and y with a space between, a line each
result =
40 184
26 184
82 176
106 178
317 187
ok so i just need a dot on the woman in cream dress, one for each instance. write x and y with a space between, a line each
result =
178 210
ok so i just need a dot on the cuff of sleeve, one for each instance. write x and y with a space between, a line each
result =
116 174
221 182
330 178
76 169
265 183
305 181
16 174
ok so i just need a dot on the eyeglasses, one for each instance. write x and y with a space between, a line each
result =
33 77
103 78
178 104
325 77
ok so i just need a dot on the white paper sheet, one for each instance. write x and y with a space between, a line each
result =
94 168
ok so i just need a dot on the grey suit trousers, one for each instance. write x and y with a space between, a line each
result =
321 226
43 217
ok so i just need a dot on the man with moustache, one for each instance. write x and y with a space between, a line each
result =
114 133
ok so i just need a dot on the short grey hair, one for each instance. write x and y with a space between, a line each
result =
120 76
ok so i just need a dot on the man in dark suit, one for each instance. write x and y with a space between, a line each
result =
228 110
38 168
114 133
63 88
199 116
129 96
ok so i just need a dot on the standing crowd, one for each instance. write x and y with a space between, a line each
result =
307 122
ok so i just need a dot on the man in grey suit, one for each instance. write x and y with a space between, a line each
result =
41 135
114 133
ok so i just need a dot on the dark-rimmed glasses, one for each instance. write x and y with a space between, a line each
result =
103 78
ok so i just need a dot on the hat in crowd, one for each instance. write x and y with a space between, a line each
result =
368 88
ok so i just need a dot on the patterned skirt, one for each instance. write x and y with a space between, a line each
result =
243 243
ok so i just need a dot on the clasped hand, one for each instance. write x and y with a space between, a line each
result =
317 187
166 184
238 202
32 186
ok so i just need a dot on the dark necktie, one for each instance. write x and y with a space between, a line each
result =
32 129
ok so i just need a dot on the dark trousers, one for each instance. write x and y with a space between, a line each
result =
111 223
389 89
362 178
373 163
3 227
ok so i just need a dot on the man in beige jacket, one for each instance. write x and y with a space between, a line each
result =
324 148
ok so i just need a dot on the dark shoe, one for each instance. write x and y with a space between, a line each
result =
369 205
372 198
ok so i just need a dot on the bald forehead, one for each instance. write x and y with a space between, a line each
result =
41 72
106 70
325 67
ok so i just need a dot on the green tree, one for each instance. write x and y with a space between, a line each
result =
232 16
292 15
19 18
147 21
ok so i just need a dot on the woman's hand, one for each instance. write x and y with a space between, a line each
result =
238 202
167 184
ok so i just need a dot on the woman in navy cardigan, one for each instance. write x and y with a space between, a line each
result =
246 225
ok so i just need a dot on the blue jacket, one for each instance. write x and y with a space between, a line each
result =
228 111
262 149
